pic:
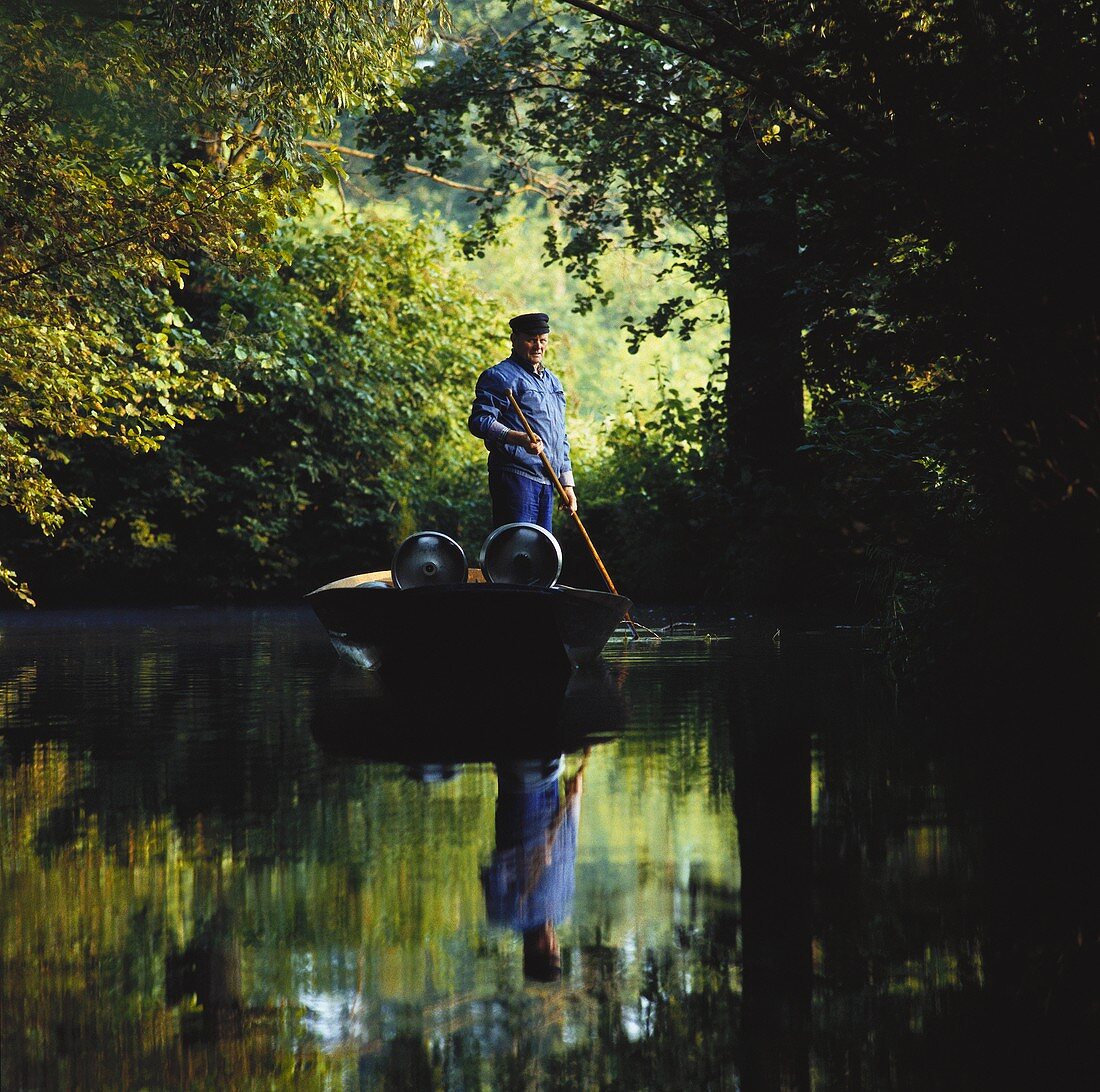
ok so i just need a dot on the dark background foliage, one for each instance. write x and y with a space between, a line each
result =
893 202
887 209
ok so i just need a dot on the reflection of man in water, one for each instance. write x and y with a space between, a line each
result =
529 881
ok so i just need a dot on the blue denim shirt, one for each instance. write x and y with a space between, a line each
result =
543 401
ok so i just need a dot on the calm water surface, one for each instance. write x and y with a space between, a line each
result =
227 862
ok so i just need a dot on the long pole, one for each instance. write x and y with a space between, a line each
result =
565 500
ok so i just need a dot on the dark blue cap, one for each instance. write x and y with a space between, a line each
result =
535 323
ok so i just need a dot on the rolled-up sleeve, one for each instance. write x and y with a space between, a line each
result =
566 475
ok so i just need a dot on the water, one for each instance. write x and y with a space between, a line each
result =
228 862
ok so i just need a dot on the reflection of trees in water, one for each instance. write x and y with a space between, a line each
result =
182 713
158 930
87 932
882 870
582 1033
951 915
770 718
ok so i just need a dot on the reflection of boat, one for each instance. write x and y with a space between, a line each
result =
493 629
428 723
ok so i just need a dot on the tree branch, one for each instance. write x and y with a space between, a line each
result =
544 189
805 101
326 146
246 145
711 60
625 100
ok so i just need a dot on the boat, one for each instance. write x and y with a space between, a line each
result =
432 614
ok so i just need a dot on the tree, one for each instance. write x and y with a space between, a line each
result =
648 143
352 368
894 197
141 140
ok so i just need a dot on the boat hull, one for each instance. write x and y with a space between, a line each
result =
467 628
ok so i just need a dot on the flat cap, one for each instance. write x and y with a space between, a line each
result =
534 323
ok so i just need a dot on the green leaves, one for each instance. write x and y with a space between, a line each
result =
893 202
344 380
135 152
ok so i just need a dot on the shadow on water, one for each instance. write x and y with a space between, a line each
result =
919 906
436 718
771 723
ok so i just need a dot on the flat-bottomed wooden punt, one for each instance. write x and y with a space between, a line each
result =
492 629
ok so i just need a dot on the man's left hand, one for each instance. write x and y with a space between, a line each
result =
569 502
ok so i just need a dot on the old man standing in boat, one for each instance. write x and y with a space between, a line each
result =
519 487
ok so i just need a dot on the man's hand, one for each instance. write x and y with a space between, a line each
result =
569 502
521 439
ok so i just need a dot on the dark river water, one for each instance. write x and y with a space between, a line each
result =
722 862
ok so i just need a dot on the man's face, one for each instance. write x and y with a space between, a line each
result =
530 348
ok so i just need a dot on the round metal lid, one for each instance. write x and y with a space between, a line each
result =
521 553
426 559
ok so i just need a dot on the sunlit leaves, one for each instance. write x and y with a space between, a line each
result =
344 380
630 129
294 65
135 140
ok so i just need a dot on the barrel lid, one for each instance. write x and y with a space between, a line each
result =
521 553
428 558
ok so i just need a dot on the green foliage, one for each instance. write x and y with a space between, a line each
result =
889 205
597 358
894 202
593 353
137 140
351 369
621 143
290 66
652 501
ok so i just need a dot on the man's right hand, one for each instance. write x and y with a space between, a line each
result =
531 446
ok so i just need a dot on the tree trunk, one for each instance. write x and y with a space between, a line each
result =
763 398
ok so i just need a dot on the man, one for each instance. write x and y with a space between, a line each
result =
520 489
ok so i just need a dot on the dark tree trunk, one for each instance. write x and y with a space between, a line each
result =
764 373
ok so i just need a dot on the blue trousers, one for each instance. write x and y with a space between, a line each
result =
517 499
